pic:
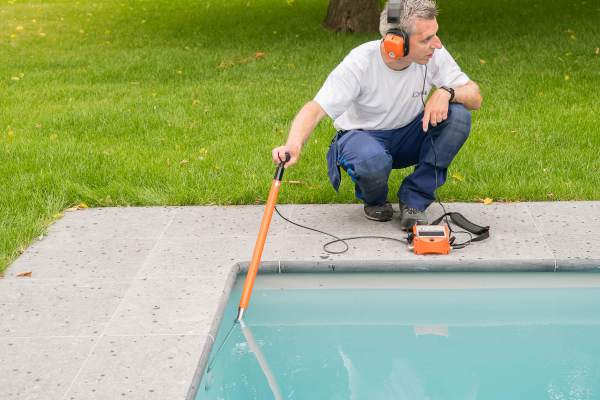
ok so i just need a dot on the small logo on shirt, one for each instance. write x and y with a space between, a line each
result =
417 93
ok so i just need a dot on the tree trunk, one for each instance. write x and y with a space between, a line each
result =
353 16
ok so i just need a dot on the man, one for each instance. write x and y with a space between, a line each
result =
385 119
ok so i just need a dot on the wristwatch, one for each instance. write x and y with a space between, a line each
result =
449 90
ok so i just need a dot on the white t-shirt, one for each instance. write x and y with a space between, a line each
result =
364 93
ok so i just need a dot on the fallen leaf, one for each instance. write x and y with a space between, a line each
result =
183 162
487 201
42 34
482 61
259 54
15 78
573 37
19 28
457 176
24 274
567 77
597 50
77 207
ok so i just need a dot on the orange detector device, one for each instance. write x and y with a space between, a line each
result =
431 239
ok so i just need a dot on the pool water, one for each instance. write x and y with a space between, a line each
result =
412 336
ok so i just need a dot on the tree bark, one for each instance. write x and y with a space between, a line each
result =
353 16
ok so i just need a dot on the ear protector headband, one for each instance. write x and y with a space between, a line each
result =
396 44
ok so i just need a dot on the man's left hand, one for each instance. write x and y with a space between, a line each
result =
436 109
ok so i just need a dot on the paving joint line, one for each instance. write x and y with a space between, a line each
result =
118 308
543 236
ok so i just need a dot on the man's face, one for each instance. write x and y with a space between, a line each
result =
424 41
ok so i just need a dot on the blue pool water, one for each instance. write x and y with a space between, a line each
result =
412 336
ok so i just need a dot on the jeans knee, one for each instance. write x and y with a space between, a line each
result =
374 169
459 114
460 118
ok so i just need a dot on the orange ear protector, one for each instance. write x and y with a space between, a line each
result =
396 44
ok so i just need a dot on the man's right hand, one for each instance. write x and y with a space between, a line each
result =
278 154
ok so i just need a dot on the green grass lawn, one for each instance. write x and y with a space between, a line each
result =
117 103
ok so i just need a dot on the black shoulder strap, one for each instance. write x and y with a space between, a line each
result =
481 232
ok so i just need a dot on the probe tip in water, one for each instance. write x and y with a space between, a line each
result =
240 314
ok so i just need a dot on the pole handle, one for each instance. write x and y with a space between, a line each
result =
281 167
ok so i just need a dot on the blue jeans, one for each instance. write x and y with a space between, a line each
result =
369 156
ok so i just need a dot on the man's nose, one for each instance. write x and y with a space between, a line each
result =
436 43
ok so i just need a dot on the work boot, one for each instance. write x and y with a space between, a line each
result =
380 213
411 216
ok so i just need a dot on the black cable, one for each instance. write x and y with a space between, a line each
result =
336 238
436 197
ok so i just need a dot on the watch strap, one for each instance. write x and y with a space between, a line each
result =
449 90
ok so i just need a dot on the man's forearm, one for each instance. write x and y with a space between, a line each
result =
468 95
304 124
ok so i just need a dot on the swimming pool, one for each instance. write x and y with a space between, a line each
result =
412 336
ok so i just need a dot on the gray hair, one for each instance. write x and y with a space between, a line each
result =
409 11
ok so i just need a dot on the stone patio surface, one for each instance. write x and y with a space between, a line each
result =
123 303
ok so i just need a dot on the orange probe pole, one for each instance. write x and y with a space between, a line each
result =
260 241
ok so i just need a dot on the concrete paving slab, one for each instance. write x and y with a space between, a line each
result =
203 257
558 218
121 222
147 286
573 252
54 257
138 367
168 305
221 221
40 368
56 308
505 251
